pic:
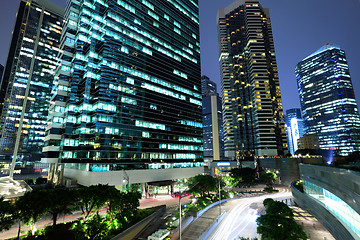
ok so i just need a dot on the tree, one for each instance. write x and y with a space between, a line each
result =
353 157
90 199
59 201
278 208
205 184
279 223
6 214
245 176
30 207
269 178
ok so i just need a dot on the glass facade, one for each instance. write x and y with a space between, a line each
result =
252 107
28 78
212 121
328 101
207 86
340 209
128 88
294 128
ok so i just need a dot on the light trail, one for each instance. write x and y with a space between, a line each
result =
241 216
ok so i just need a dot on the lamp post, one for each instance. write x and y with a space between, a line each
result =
219 198
126 179
189 187
180 215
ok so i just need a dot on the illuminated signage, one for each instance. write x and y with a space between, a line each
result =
223 164
295 132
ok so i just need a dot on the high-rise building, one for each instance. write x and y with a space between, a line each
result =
128 92
328 101
207 86
212 121
252 108
2 91
28 78
294 128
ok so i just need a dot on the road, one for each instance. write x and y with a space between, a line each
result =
240 220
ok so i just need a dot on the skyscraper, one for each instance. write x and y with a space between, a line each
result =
252 108
2 91
328 101
128 92
207 86
212 121
294 128
28 77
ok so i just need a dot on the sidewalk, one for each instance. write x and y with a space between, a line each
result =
200 225
312 227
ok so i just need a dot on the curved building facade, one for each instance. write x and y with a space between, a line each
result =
332 195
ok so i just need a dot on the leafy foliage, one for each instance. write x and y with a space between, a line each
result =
244 176
30 207
269 178
122 211
91 199
205 185
279 223
6 212
58 201
299 185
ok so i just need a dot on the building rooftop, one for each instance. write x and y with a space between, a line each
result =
324 48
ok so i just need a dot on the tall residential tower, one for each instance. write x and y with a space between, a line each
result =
28 78
252 108
128 92
327 100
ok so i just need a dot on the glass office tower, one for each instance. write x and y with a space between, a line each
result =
294 128
28 78
252 108
128 91
212 121
328 101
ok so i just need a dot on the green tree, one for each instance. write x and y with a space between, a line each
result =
91 199
59 201
7 211
127 206
205 185
245 176
278 208
269 178
30 207
279 223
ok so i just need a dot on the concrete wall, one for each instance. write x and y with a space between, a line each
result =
288 167
343 183
327 219
87 178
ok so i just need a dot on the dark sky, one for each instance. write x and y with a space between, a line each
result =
299 28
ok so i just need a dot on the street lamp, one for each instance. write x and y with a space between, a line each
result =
219 199
126 178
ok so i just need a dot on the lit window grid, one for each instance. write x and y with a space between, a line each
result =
328 102
135 75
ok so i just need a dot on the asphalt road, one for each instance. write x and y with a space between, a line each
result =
240 220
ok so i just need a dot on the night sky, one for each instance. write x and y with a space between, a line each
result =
299 28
